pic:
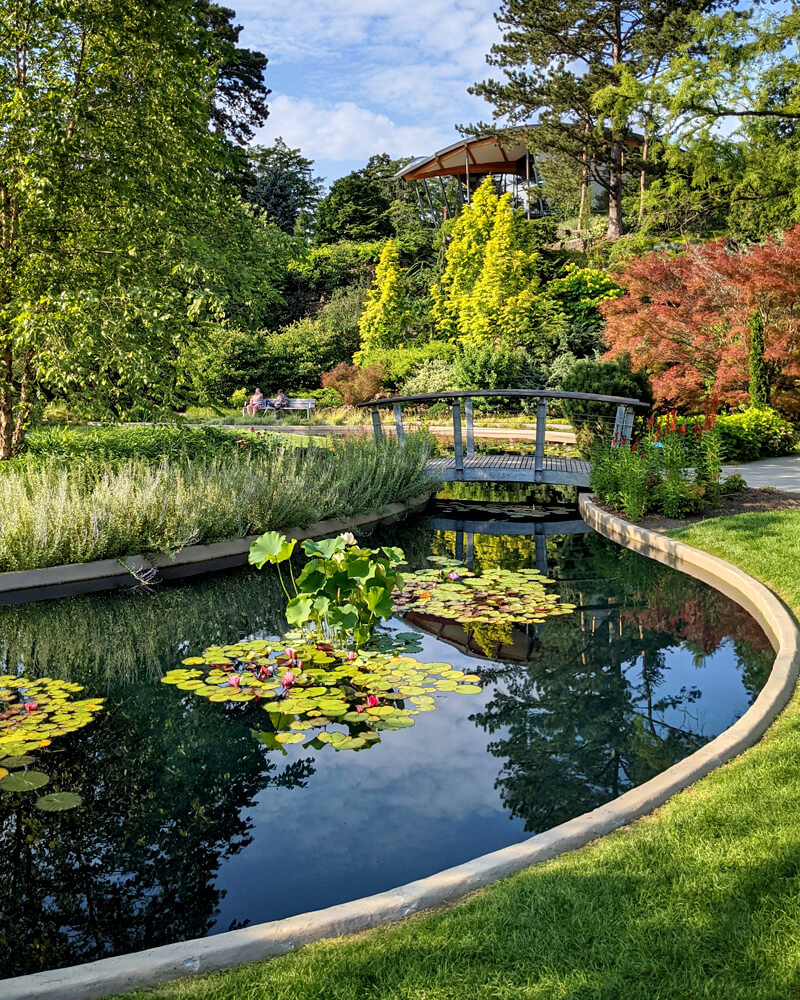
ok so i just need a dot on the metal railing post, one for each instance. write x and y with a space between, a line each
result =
470 428
619 425
627 424
541 429
398 423
457 443
376 424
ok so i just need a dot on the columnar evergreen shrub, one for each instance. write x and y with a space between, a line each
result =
385 319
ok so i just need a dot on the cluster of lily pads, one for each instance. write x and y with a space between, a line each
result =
33 712
316 695
497 596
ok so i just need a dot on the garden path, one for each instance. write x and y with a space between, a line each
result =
782 473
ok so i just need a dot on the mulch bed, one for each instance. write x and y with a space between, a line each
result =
747 501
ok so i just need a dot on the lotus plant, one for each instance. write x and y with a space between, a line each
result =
342 592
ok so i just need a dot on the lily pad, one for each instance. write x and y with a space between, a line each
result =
58 801
23 781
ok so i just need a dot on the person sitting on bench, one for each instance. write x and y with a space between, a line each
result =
280 402
256 403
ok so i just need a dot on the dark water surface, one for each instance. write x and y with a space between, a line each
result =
190 827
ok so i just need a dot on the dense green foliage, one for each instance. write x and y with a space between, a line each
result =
754 434
281 184
107 447
122 244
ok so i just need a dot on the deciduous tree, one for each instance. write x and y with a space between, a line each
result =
687 319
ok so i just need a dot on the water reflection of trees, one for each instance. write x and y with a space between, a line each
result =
134 636
165 804
586 717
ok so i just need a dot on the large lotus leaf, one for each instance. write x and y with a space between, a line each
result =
379 601
271 547
345 617
326 548
298 610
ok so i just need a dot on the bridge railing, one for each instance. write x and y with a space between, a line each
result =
623 420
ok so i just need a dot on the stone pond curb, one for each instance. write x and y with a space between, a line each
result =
108 574
250 944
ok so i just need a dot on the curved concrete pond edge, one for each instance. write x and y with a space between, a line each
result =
22 586
262 941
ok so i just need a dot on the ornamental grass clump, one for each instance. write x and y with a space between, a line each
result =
52 514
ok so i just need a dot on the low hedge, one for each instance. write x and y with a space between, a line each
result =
755 434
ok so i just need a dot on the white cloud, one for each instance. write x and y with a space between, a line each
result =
443 28
344 131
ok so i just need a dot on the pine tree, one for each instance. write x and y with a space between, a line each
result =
558 58
385 319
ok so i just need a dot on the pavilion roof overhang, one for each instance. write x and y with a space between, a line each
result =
486 155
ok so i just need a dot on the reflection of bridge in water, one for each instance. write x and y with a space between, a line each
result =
524 639
467 467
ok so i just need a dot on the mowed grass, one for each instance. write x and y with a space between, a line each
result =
700 900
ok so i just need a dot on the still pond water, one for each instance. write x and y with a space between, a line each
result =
190 827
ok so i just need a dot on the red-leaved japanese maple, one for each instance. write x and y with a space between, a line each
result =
686 318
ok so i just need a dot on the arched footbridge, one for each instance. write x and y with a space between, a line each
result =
614 414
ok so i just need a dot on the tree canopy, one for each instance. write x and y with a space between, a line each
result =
120 243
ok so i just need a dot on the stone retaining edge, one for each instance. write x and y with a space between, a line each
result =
250 944
108 574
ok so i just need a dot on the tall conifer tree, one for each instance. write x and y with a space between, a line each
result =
560 59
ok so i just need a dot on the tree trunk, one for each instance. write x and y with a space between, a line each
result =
615 228
643 174
584 184
6 404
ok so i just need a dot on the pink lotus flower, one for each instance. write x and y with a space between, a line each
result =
288 679
372 701
31 706
234 680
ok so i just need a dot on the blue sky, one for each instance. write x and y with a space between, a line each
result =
354 77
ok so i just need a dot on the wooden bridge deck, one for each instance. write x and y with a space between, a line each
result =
512 469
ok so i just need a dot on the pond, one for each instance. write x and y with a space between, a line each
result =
191 826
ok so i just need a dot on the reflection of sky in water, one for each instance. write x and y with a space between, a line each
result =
424 800
722 700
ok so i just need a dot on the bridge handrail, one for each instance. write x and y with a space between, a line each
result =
428 397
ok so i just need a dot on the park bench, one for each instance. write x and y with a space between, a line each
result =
292 403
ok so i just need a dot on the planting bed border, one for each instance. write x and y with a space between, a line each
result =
262 941
22 586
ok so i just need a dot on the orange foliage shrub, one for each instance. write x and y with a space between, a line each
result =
684 317
354 384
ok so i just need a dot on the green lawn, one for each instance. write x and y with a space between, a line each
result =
700 900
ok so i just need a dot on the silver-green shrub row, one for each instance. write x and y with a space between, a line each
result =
53 515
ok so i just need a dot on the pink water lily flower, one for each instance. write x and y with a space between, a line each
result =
360 709
288 679
31 706
351 655
290 653
454 575
234 680
372 701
